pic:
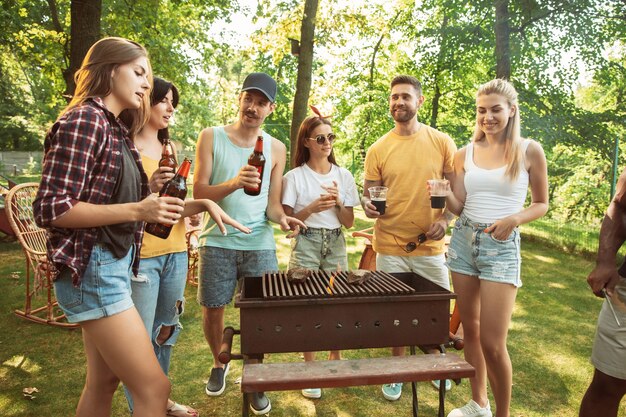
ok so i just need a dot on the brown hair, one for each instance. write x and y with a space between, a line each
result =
93 79
307 126
513 144
408 79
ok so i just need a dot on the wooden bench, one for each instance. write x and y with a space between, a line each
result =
260 377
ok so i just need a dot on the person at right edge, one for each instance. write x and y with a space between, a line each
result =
403 159
492 176
608 355
222 171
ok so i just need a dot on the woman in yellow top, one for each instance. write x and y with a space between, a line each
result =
158 289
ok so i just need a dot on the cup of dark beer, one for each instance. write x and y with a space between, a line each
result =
438 189
378 197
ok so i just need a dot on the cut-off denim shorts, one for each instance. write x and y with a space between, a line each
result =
476 253
319 248
220 269
104 288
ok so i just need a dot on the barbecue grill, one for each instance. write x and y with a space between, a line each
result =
325 312
400 309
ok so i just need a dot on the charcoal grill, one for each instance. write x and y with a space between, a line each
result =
388 310
400 309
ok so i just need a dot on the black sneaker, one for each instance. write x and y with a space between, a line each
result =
217 381
259 403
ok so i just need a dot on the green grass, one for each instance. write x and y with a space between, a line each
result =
549 342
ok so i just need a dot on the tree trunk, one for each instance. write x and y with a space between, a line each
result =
503 34
441 57
305 68
370 86
84 32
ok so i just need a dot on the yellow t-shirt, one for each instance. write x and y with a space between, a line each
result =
153 246
404 164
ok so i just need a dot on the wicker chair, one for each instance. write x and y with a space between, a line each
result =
19 208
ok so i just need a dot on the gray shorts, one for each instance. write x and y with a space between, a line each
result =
323 249
609 347
219 270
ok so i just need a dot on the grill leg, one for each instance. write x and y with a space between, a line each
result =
415 401
415 407
245 406
442 397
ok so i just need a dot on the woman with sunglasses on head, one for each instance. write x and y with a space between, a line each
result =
93 200
322 195
492 176
158 288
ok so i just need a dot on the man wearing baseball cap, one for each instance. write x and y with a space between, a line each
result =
221 173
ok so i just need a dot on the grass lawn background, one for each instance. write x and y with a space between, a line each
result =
549 342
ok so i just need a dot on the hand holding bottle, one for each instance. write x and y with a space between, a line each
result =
248 177
161 210
160 177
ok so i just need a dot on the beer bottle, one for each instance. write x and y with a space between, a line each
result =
257 160
167 156
176 187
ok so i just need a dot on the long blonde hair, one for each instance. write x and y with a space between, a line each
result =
513 144
93 79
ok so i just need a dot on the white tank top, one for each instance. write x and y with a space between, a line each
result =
490 194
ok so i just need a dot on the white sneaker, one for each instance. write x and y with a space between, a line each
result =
312 393
471 409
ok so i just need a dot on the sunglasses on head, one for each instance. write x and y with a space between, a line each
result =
320 139
411 246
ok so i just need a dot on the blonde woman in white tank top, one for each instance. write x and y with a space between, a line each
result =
492 175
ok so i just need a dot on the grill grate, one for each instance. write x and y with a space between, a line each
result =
277 286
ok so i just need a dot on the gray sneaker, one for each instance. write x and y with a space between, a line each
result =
259 403
217 381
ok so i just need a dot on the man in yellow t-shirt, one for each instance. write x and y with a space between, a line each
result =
408 237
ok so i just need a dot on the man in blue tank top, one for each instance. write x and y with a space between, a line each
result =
221 173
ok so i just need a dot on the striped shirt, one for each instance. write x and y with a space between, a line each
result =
82 162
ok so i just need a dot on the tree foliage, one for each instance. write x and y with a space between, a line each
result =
566 58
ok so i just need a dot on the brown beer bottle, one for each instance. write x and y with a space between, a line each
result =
176 187
167 156
257 160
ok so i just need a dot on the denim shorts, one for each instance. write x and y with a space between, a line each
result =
323 249
220 269
104 288
476 253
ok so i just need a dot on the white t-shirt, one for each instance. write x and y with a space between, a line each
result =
302 185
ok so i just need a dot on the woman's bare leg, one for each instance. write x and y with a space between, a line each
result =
118 348
468 302
497 301
100 384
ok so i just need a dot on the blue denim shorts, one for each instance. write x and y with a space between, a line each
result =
220 269
323 249
476 253
104 289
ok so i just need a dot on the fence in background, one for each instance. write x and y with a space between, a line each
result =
15 164
568 236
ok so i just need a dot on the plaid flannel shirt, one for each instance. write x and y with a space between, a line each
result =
82 162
